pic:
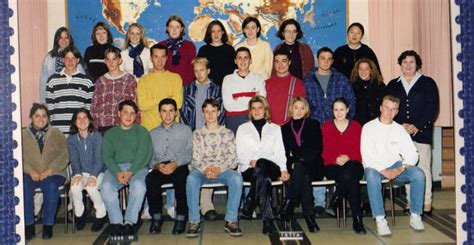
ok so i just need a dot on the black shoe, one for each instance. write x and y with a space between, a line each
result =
47 231
155 226
336 202
358 226
179 227
233 228
98 224
406 211
193 230
248 208
30 232
366 209
210 215
286 210
81 221
267 226
311 223
319 211
428 213
115 230
128 230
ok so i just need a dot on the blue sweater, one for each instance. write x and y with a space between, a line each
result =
85 154
320 103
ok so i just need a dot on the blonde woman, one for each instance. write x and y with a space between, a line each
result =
136 55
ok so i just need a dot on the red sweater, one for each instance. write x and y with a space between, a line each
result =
336 143
184 68
277 96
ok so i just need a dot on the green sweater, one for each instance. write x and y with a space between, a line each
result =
132 146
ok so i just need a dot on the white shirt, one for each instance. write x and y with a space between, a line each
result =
127 61
407 86
234 86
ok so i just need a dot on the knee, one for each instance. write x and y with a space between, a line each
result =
193 179
76 189
372 175
417 174
236 179
107 189
137 187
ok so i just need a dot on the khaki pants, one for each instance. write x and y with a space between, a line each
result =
424 150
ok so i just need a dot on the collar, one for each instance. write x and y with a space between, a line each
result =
171 127
63 72
415 78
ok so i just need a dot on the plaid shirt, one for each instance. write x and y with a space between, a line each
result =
320 103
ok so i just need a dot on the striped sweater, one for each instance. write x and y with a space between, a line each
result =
64 95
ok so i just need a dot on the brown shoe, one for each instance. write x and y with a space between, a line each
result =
233 228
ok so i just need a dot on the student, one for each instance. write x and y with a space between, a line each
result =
262 53
101 37
112 88
238 88
218 52
214 161
136 55
85 151
181 51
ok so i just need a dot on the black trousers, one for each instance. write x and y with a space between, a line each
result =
347 182
261 178
300 189
155 179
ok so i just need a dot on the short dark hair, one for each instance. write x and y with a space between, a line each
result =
282 51
159 46
113 50
73 128
37 106
208 36
413 53
324 49
356 24
212 102
106 28
252 19
283 25
242 49
74 51
167 101
129 103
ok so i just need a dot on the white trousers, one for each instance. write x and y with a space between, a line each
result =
424 150
94 194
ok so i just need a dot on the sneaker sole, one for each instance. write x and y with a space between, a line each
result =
192 235
232 233
386 235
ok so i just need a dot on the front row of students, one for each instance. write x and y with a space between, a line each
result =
260 154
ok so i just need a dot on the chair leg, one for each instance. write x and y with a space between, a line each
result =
392 202
65 211
344 215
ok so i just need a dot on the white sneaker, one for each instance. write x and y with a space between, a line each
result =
146 214
415 222
171 212
382 227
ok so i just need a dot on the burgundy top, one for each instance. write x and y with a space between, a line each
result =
336 143
184 68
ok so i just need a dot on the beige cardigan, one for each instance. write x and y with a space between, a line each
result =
55 153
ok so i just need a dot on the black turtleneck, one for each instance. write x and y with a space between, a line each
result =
259 125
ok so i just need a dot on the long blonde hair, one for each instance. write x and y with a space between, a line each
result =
266 106
142 35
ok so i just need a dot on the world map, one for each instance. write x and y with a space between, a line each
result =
322 21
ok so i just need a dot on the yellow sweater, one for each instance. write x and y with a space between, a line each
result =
151 89
262 57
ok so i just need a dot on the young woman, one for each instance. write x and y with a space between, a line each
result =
347 55
112 88
219 53
261 50
342 159
53 62
302 58
181 51
303 146
136 55
94 56
369 89
45 159
261 156
85 147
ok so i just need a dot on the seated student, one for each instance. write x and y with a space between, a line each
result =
85 151
238 88
342 160
303 146
172 144
126 151
45 160
261 156
196 93
214 161
282 87
388 152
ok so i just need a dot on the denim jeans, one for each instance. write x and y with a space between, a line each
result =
49 188
109 188
231 178
319 194
412 175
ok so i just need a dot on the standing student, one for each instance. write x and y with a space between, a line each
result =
101 37
136 55
218 52
181 51
261 50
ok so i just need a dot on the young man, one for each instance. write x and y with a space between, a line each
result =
157 85
126 151
172 144
214 161
238 88
388 152
195 94
323 85
282 87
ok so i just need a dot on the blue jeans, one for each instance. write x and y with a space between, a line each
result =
109 188
49 187
412 175
231 178
319 194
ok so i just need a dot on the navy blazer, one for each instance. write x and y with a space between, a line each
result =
420 107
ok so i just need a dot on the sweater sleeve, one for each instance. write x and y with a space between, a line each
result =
354 149
408 149
268 60
97 155
430 108
279 151
243 153
95 102
44 76
185 155
145 101
328 150
198 153
74 156
229 103
108 152
367 149
61 160
178 93
144 152
230 161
